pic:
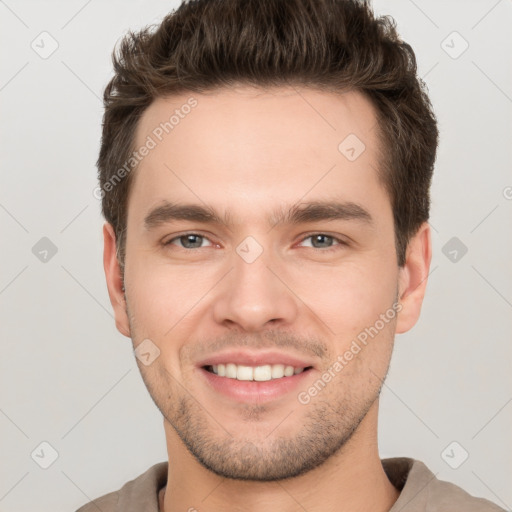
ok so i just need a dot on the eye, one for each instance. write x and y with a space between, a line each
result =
188 241
323 241
320 241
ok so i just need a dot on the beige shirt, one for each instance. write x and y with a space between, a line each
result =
420 490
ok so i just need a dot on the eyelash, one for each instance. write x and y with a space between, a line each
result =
311 235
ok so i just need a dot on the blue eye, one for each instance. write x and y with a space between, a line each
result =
188 241
323 239
320 241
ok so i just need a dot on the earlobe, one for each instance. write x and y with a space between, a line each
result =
114 280
413 278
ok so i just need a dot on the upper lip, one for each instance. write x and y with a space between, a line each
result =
255 358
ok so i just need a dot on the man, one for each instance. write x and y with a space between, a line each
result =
265 170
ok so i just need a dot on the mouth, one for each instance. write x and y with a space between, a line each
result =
259 384
260 373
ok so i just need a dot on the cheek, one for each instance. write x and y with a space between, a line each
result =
162 310
165 299
351 297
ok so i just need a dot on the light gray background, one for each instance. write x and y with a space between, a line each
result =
70 379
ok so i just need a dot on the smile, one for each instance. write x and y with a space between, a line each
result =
255 373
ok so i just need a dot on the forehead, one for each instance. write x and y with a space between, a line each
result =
254 117
248 145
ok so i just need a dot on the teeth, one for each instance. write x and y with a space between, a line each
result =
277 371
231 371
244 372
255 373
263 372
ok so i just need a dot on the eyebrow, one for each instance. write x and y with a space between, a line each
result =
298 214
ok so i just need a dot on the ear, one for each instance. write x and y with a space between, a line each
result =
413 276
114 280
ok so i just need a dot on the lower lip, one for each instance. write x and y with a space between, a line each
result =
254 391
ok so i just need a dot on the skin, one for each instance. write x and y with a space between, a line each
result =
251 151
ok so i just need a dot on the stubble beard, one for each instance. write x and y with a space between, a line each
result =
324 431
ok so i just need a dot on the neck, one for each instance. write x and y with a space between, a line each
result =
351 480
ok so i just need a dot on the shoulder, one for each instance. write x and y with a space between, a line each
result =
446 496
421 490
133 495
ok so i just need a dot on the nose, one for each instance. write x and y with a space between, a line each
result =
255 295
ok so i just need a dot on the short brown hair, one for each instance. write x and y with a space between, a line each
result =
330 45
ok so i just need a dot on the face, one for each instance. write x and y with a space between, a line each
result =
259 250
